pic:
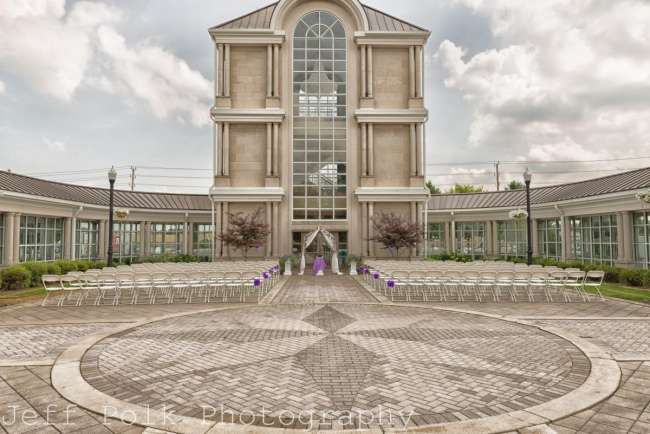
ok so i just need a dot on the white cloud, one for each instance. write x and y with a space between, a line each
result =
58 51
569 80
164 82
55 145
3 87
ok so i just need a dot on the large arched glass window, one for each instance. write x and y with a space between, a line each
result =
319 118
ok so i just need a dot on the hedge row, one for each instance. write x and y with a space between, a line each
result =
28 274
635 277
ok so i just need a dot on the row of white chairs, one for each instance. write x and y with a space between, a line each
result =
154 287
472 285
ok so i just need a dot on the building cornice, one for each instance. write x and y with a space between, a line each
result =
247 116
404 39
248 36
391 194
391 116
247 194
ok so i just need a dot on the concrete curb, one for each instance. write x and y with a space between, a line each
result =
602 382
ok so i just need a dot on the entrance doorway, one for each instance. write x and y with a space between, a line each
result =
319 246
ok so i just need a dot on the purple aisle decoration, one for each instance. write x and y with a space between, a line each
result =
391 284
257 281
266 275
375 275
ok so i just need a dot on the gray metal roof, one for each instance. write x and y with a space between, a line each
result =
258 19
261 19
15 183
621 182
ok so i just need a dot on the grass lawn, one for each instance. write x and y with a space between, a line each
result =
21 295
626 293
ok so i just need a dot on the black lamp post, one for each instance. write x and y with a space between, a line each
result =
112 176
527 178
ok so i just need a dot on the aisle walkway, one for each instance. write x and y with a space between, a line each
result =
330 288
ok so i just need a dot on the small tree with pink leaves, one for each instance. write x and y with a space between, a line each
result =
246 231
394 232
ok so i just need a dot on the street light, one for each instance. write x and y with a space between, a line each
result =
527 178
112 176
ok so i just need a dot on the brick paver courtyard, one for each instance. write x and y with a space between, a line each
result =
325 346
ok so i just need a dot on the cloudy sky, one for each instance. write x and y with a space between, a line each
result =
88 84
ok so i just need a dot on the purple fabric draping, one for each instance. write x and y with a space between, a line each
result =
319 265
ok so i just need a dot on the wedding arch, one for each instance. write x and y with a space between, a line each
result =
331 242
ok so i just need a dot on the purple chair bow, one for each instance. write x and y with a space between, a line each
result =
391 284
266 275
375 275
257 281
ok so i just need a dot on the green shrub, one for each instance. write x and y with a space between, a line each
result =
632 277
54 268
37 269
15 277
84 265
98 265
646 279
66 266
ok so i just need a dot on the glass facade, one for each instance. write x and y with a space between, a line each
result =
436 238
167 238
470 239
87 239
595 238
512 239
41 239
202 239
319 119
549 238
126 240
642 239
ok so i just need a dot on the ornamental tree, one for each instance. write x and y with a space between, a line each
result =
246 231
394 232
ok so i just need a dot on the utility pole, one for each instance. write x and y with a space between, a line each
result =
133 178
496 165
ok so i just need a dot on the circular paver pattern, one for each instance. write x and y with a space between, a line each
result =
364 363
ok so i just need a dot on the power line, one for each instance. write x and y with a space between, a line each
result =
474 163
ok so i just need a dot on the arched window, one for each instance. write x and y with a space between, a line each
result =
319 118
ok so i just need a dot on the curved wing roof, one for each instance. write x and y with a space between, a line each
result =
621 182
99 196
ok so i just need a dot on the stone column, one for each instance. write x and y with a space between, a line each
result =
535 238
365 251
418 72
269 149
364 149
452 234
370 73
218 68
218 229
625 240
9 239
276 147
226 70
226 223
218 152
364 73
276 70
413 150
269 223
276 229
101 240
412 71
490 239
567 239
371 230
448 246
73 240
67 238
16 249
371 150
269 71
226 149
419 149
